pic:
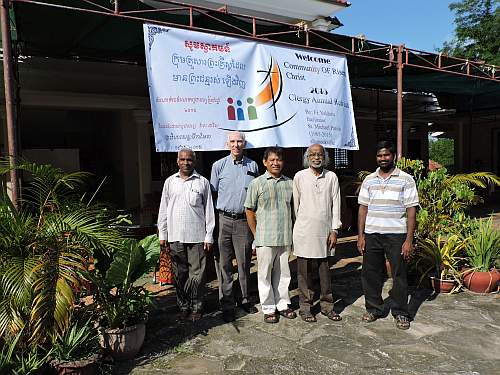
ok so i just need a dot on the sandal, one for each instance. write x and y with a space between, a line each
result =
288 313
307 317
402 322
332 315
368 317
271 318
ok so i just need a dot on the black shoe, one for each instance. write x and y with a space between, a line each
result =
183 315
228 316
249 308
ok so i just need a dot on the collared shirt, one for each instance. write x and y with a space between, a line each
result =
271 199
230 179
387 200
316 201
186 210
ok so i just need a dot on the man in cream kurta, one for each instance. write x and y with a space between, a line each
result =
316 196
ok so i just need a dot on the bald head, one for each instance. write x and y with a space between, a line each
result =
316 157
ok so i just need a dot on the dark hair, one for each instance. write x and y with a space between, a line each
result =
278 151
387 145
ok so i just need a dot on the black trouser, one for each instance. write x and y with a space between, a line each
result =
305 269
189 263
377 248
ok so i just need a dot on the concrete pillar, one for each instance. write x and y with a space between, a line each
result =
144 127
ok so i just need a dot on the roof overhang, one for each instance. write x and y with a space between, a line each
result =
290 11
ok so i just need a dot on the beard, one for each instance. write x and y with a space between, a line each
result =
386 167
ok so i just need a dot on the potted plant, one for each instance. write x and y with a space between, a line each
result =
123 306
440 259
77 351
482 252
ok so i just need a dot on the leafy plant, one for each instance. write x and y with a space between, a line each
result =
120 302
43 246
440 257
483 247
79 342
14 361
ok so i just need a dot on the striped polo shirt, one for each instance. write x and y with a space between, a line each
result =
387 200
271 199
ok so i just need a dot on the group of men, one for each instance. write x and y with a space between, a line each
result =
273 215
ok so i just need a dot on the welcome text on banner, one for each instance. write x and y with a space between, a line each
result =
203 85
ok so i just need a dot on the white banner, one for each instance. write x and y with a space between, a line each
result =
202 85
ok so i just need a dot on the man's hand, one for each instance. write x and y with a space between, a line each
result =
407 250
165 246
207 247
332 240
361 243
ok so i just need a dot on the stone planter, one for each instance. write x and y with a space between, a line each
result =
442 286
124 343
482 282
87 366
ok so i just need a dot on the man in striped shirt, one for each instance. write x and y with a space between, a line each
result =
386 224
269 214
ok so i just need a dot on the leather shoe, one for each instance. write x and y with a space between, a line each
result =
228 316
249 308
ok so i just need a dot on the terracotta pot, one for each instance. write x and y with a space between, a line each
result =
84 367
442 286
482 282
124 343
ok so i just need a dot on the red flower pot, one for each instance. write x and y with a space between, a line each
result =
482 282
442 286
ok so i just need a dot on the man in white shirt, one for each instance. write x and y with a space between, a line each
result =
316 199
186 223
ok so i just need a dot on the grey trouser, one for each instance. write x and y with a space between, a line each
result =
235 238
305 268
188 263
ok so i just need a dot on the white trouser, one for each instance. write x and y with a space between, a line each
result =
273 276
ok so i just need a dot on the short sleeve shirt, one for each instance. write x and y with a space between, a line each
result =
271 199
230 179
387 200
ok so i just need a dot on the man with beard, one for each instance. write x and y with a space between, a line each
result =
387 218
316 198
185 225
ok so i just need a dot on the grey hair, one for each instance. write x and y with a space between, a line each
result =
242 135
186 150
305 159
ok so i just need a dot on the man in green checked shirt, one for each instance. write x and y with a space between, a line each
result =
269 215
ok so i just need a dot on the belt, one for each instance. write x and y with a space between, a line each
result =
233 215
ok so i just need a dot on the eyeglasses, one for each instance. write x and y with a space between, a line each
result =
315 154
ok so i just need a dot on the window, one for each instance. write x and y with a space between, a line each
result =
341 158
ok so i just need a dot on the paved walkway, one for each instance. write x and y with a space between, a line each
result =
458 334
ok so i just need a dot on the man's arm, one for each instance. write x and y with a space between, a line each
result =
162 219
336 223
209 219
251 220
363 210
411 223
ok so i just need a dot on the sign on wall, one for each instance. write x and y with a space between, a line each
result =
203 85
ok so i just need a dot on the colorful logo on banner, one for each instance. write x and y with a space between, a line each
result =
271 88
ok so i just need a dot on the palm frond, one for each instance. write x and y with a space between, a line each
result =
478 179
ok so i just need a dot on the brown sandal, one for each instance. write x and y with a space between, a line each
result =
307 317
271 318
332 315
368 317
288 313
402 322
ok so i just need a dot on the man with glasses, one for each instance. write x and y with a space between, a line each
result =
316 198
185 225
